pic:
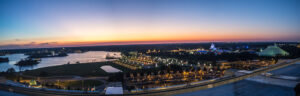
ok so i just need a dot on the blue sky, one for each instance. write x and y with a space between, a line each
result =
69 21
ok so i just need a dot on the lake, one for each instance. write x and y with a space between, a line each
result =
72 58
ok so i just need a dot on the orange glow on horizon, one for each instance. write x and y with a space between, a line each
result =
146 39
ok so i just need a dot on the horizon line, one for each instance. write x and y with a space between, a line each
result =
85 44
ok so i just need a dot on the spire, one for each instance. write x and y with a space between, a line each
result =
212 46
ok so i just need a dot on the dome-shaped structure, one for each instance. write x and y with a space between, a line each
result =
273 51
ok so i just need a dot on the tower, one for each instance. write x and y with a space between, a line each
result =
212 47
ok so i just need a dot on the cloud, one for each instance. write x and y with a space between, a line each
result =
17 39
47 43
29 45
32 42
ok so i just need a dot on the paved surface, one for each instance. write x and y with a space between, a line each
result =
273 81
292 70
7 93
244 88
257 85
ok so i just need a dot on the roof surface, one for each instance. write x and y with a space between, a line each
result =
273 51
114 90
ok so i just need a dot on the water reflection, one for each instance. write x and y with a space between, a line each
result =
13 59
72 58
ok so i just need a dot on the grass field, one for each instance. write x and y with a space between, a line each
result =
83 69
80 84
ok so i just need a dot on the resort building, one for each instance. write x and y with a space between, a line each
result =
273 51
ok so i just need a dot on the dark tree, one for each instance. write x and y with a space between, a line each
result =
10 70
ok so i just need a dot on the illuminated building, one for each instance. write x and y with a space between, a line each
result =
212 47
273 51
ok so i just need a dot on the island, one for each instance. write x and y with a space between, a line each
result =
28 62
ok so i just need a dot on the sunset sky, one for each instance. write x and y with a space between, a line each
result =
48 23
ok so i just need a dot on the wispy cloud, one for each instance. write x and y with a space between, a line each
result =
47 43
17 40
29 45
